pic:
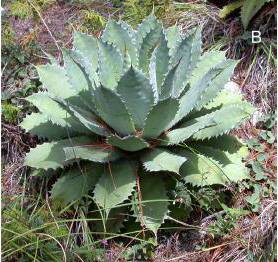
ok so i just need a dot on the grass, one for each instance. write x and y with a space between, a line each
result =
35 228
170 12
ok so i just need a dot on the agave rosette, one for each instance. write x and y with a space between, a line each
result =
132 107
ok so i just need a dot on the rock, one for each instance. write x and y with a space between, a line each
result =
232 87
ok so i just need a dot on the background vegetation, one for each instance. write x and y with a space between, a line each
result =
232 224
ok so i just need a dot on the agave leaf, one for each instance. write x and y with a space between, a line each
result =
173 38
213 166
226 97
80 81
228 143
115 221
39 124
113 111
76 183
230 148
207 62
187 129
51 154
48 107
154 207
211 121
162 160
95 152
217 83
161 61
190 99
249 9
110 65
86 46
55 113
228 9
222 124
200 170
148 37
123 37
88 119
128 143
127 62
115 185
84 98
160 117
152 75
186 56
50 75
77 78
168 83
134 88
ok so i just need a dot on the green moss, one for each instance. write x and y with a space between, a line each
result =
45 3
8 35
21 9
91 21
10 112
136 10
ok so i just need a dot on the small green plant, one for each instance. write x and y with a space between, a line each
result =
132 110
136 10
91 21
209 199
23 9
225 223
263 183
13 106
8 35
142 251
249 8
10 112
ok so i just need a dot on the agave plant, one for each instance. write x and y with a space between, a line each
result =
248 10
128 110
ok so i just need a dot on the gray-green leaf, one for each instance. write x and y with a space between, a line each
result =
154 207
128 143
113 111
137 94
110 65
115 185
123 37
162 160
51 154
160 117
94 152
76 183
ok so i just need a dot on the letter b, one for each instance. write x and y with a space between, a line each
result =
256 37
